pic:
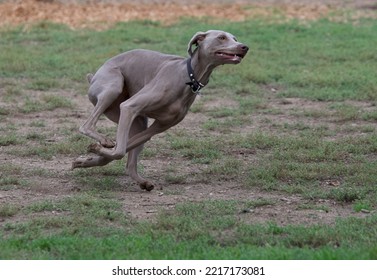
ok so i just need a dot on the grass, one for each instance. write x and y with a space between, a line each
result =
46 102
261 141
213 232
200 151
10 139
305 59
304 161
8 210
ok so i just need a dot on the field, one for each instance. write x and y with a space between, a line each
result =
276 159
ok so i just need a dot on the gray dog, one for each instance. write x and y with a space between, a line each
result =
140 84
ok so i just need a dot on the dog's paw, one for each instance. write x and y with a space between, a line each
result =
81 162
94 148
148 186
76 164
107 143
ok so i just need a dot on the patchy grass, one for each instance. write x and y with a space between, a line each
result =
8 210
10 139
298 121
46 102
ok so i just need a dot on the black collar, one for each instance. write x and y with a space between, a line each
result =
195 85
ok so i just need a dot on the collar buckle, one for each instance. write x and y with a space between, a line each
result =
195 85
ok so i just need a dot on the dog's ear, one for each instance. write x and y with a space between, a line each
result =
198 37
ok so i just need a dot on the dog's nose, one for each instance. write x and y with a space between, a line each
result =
244 47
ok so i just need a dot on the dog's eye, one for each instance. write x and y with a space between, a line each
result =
222 37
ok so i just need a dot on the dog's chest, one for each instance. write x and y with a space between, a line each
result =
175 110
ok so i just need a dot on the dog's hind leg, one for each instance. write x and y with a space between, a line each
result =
103 92
90 161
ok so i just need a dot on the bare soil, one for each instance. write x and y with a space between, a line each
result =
286 209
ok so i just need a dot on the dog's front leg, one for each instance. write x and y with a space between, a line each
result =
127 116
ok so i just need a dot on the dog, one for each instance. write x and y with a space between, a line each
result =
140 84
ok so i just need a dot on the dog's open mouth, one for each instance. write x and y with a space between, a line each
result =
236 57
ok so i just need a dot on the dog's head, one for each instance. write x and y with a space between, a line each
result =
222 46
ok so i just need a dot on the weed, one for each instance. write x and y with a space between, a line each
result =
70 146
9 182
12 93
311 206
370 116
174 177
346 112
260 202
47 102
347 194
4 111
202 151
8 168
8 210
35 136
227 168
10 139
362 205
39 123
41 206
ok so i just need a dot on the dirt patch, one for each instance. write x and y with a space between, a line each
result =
283 210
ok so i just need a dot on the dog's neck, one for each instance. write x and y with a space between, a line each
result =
194 84
202 67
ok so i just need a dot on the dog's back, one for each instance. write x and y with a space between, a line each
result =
138 67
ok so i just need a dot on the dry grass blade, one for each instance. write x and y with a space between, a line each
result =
104 14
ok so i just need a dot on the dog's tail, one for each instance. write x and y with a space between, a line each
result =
89 77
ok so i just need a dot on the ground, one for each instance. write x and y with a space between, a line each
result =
283 209
101 14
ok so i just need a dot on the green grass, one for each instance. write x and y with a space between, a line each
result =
302 164
323 152
10 139
46 103
8 210
321 61
213 232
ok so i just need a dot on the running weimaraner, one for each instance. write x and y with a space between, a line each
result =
140 84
